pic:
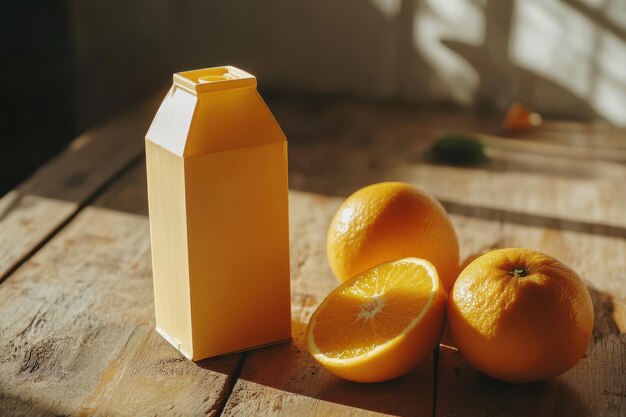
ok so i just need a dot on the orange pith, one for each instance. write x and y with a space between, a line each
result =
380 324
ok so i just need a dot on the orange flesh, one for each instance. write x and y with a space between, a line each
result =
375 309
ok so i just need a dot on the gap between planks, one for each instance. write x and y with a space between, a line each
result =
435 378
80 206
42 205
230 386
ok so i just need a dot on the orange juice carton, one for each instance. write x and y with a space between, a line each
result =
217 192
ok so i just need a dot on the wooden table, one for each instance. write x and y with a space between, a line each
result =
77 329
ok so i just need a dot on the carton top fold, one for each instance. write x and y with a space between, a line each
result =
213 110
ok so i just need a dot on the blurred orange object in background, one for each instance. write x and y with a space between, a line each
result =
520 118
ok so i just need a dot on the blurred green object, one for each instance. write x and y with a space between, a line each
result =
457 150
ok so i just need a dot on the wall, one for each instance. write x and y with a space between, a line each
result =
122 51
36 68
566 58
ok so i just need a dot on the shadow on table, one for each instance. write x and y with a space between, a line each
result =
13 405
604 323
279 371
462 390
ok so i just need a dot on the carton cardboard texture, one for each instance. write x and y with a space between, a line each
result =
217 193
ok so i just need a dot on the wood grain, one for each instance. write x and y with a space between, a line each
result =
340 147
576 134
78 322
552 149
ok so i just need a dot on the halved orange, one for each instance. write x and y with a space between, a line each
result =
381 323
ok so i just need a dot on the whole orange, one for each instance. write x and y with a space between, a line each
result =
520 316
388 221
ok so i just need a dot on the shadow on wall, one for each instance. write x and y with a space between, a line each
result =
36 110
562 57
565 58
501 80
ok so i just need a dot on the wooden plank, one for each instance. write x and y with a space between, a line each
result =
577 134
26 221
285 379
90 285
547 149
596 385
78 327
128 193
549 188
37 209
343 146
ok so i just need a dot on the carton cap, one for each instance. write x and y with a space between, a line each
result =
213 79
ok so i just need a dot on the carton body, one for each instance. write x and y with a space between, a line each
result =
217 191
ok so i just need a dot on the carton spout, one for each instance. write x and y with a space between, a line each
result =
213 79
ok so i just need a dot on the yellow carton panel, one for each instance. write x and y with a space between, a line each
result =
168 232
238 248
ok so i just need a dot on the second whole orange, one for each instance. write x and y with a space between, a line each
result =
388 221
520 315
